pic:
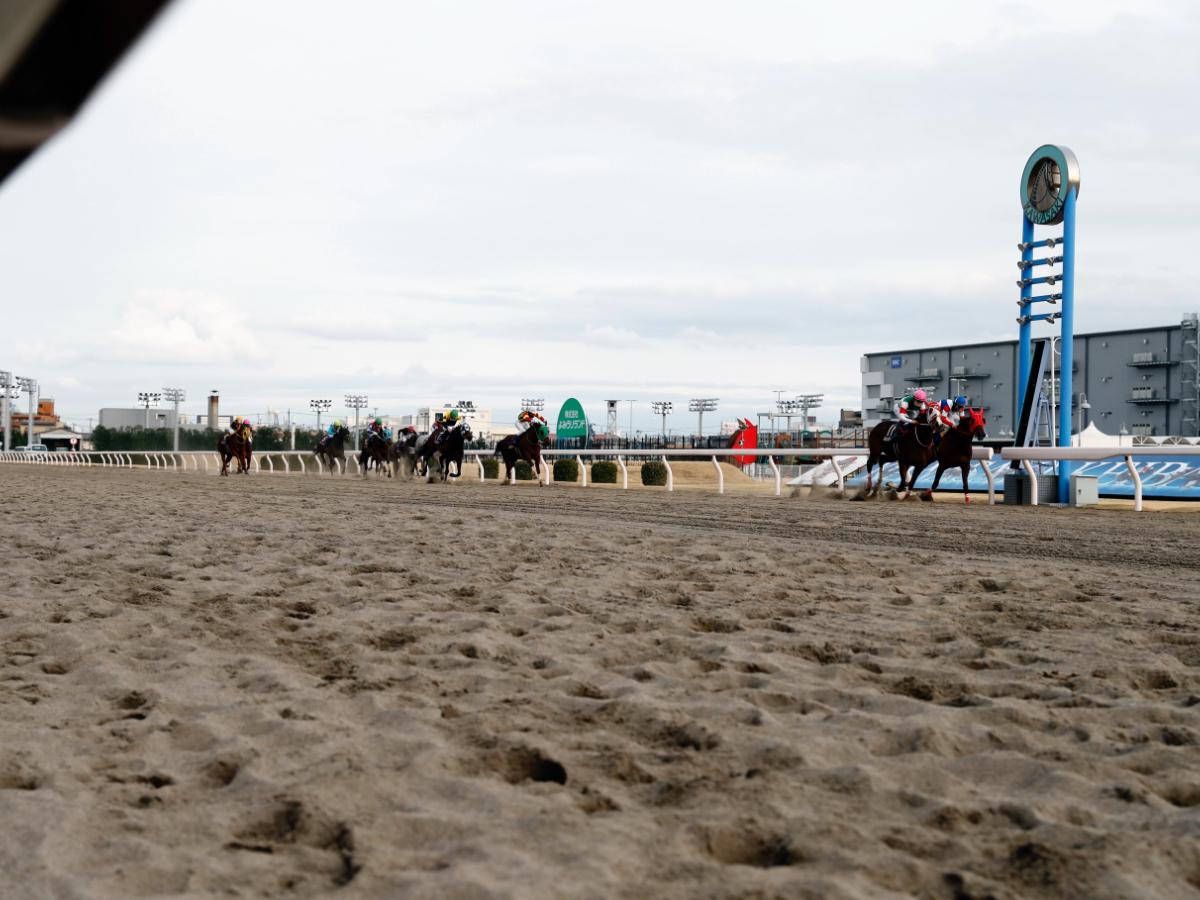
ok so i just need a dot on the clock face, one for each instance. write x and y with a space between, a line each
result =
1049 177
1043 185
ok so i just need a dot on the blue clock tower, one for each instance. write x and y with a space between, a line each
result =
1049 191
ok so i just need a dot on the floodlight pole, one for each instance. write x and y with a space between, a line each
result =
318 406
6 411
147 399
662 408
29 385
701 406
175 394
356 402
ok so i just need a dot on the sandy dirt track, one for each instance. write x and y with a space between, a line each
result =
274 687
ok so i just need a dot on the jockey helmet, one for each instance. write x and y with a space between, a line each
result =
337 423
379 421
960 401
919 395
452 415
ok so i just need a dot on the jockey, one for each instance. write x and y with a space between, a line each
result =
942 416
334 428
527 419
908 409
445 425
377 427
958 409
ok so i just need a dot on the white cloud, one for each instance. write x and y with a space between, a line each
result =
175 327
611 336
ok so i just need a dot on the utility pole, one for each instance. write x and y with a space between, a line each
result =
662 408
175 395
631 402
292 427
702 406
6 399
318 406
356 402
30 386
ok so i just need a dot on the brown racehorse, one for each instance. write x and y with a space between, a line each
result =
376 449
403 452
528 446
332 449
955 451
236 446
913 449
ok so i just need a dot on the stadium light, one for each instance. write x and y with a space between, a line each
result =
702 406
662 408
175 395
8 393
30 386
356 402
147 399
536 405
807 402
320 406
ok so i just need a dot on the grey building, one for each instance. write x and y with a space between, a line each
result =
1145 379
138 417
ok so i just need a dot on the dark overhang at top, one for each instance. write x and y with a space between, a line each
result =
53 54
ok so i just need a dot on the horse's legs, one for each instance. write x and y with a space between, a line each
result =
928 494
903 474
966 472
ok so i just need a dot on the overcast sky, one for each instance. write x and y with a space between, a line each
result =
427 202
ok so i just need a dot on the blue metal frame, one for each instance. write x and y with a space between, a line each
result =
1065 385
1026 293
1066 315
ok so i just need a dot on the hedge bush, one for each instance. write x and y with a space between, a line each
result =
524 471
654 474
491 468
566 470
604 472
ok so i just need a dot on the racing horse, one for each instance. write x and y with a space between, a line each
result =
236 446
403 452
332 449
528 446
429 447
955 449
913 449
378 450
450 450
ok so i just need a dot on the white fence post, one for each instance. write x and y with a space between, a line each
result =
720 476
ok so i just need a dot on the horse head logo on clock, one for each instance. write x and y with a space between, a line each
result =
1050 175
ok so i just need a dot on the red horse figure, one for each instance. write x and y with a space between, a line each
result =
955 449
911 449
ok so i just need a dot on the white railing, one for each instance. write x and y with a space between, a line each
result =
185 459
1025 455
979 453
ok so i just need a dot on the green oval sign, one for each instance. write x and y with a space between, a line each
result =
572 421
